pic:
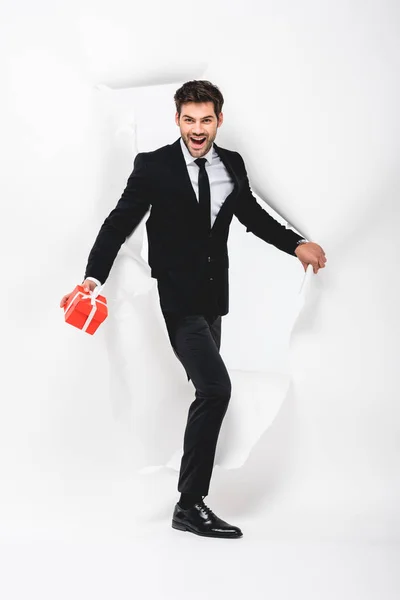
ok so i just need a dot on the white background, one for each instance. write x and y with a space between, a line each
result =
312 100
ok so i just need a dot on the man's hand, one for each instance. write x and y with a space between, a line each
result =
88 284
311 254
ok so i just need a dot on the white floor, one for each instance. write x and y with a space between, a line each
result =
100 542
160 563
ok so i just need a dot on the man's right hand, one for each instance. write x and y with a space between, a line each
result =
88 285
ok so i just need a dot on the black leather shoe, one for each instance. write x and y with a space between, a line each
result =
201 520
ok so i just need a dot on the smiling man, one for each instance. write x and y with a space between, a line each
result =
193 188
198 130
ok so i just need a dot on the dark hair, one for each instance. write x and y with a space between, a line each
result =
199 91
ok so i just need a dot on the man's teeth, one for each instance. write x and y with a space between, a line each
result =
200 141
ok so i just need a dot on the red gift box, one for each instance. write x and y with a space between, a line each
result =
85 310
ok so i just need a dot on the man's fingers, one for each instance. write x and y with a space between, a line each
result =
318 262
64 300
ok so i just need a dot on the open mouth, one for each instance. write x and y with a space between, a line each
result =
198 142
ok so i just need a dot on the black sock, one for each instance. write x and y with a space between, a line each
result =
188 500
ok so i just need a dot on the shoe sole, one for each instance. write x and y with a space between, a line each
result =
182 527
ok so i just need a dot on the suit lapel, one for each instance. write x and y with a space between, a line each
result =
181 174
228 203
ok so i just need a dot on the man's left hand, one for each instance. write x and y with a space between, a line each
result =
311 254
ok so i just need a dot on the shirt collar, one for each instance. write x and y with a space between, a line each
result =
189 158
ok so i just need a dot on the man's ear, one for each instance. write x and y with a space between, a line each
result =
220 119
177 118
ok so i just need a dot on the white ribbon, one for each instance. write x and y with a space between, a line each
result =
92 295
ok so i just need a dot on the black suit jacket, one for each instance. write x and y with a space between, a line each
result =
190 263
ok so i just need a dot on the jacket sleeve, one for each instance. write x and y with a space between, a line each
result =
121 222
261 223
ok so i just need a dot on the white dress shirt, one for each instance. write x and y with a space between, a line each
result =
221 184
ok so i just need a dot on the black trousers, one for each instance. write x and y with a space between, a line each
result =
196 341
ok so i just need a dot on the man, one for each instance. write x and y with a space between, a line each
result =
193 188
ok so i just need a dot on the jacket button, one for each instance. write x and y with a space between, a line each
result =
209 259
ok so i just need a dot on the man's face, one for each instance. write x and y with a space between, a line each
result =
198 121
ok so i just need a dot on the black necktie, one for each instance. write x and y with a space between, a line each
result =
204 193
